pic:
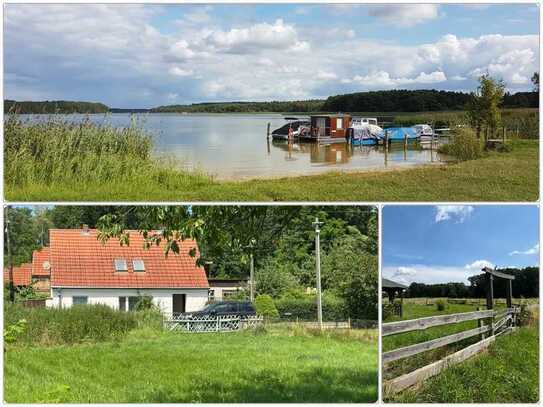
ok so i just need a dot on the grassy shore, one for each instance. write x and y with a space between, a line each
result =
59 162
150 367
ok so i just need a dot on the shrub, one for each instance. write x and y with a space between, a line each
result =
264 306
12 332
441 305
464 145
304 307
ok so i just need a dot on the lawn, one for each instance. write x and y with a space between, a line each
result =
495 371
271 366
510 176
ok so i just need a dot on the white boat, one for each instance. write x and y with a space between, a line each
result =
367 123
424 130
295 128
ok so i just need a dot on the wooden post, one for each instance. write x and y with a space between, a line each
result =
490 300
503 135
489 291
509 293
386 140
405 141
268 131
480 324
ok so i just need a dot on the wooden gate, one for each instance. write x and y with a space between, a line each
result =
209 323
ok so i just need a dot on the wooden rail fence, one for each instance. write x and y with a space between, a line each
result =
497 323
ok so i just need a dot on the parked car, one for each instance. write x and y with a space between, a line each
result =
242 308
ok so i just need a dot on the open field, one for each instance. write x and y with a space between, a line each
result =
146 367
488 369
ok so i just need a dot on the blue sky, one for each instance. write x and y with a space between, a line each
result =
146 55
439 244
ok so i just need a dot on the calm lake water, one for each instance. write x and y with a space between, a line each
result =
235 146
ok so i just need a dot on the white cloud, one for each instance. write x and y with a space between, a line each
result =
326 76
258 36
457 212
478 265
429 274
406 15
176 71
532 250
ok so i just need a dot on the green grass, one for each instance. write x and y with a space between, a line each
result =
507 373
93 163
150 367
460 383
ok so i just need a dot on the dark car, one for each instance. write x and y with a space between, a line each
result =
241 308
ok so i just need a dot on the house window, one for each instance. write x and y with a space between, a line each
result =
122 303
339 124
132 302
138 265
120 265
229 293
211 295
79 300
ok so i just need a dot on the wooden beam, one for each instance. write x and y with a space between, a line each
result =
498 274
410 379
411 350
392 328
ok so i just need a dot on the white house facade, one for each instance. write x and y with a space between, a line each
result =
77 268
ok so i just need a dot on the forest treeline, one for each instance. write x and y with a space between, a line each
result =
375 101
525 284
53 106
281 239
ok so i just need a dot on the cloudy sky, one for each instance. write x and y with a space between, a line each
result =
440 244
147 55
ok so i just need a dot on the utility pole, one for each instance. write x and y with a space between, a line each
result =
250 246
11 283
318 267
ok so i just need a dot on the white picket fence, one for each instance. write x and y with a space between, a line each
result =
208 323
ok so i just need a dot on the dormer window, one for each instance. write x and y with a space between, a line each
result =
120 265
138 265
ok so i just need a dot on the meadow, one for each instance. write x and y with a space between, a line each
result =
148 365
506 372
57 161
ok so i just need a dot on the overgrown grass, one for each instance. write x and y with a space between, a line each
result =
36 171
453 391
78 324
181 368
507 373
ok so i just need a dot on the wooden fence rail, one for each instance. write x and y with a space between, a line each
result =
498 322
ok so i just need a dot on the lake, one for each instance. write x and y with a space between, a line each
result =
234 146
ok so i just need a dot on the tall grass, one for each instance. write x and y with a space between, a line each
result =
77 154
464 145
78 324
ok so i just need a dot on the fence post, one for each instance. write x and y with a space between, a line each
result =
509 293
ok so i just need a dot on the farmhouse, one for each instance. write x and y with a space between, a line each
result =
76 268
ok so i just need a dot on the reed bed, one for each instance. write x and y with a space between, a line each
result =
57 152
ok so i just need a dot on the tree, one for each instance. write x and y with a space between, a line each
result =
535 81
23 233
483 108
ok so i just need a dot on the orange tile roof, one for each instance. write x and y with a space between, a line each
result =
78 259
21 274
39 257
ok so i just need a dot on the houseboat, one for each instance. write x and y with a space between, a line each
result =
329 128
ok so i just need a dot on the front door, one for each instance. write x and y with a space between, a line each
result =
321 124
178 303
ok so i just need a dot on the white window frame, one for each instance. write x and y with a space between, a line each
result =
117 270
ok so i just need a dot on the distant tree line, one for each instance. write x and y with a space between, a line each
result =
375 101
526 284
297 106
53 106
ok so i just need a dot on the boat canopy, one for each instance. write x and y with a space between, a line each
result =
399 133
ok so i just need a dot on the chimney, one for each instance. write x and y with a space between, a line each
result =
85 229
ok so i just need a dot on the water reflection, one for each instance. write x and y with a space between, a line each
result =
236 146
